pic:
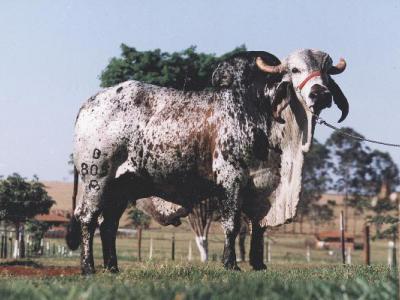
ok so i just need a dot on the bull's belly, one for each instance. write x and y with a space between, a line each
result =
182 184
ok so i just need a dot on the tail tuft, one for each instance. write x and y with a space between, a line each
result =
73 237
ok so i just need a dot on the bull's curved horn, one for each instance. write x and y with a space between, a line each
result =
269 69
339 68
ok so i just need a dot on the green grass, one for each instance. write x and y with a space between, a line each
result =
156 280
289 276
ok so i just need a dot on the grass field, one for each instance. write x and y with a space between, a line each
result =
289 276
160 280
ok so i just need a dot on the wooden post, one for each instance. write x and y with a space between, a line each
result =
151 249
308 254
342 238
2 247
139 236
190 251
266 249
348 255
390 253
5 246
11 244
173 247
367 249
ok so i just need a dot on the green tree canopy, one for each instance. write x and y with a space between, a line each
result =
139 219
315 181
187 69
351 160
21 199
384 173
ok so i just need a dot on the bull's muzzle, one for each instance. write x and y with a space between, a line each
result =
321 97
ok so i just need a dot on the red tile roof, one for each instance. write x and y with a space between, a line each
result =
52 218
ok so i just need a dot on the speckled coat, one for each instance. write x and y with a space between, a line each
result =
137 140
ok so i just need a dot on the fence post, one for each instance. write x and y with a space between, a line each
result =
173 247
190 251
11 244
367 249
308 254
269 254
47 248
2 247
342 238
139 237
266 249
348 255
390 253
5 246
41 250
151 249
16 249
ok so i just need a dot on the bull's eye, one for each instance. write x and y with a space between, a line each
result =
295 70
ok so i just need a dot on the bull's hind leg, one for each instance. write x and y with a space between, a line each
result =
112 213
257 246
87 213
97 172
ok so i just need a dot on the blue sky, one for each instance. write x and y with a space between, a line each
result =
52 52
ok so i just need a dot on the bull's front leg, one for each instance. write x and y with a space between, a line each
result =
230 208
257 246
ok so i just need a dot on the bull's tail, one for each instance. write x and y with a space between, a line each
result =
73 237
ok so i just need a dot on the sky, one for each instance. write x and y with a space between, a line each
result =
52 53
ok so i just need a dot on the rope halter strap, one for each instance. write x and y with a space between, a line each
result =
308 78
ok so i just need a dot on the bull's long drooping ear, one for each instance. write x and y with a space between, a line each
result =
222 77
339 98
281 100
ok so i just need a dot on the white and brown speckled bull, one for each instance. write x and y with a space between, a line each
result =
242 144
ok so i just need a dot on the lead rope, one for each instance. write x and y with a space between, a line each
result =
340 131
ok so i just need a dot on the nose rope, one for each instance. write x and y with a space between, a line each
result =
308 78
321 121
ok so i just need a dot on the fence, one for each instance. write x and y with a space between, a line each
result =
180 245
10 247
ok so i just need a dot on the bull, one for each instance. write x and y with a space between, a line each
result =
242 144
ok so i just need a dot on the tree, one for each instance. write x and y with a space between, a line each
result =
21 200
200 220
384 175
185 70
315 181
37 230
139 221
351 160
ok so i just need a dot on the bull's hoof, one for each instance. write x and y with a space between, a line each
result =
112 270
259 267
232 266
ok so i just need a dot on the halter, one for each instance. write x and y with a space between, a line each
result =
311 76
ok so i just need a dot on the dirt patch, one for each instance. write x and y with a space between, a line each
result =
17 270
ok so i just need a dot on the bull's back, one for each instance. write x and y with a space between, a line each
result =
160 128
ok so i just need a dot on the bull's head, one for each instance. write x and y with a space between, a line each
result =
307 74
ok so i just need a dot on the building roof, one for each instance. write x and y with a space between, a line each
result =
52 218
